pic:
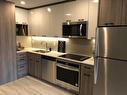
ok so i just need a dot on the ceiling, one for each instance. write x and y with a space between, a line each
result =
35 3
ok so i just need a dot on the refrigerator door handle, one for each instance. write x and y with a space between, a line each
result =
97 43
96 71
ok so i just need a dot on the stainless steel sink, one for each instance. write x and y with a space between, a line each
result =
41 51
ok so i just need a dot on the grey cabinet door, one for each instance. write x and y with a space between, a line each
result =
31 62
38 67
86 81
110 12
22 66
34 65
124 17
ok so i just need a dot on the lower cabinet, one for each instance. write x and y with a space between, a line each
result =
31 62
41 67
21 60
34 65
87 80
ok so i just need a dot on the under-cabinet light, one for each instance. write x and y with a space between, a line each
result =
49 38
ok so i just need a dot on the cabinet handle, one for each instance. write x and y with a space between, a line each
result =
109 24
85 74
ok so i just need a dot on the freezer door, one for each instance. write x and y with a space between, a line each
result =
111 42
112 77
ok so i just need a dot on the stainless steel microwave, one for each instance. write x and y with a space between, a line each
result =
75 29
21 29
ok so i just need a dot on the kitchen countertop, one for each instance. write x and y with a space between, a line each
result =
56 54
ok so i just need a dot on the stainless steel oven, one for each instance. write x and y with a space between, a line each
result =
68 74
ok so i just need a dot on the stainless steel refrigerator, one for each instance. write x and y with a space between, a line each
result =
111 61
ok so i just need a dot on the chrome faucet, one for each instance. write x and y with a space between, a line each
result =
46 45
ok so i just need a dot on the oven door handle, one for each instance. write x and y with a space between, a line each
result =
68 67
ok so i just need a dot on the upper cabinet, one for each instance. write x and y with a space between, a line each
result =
112 12
47 21
21 16
39 22
124 16
22 24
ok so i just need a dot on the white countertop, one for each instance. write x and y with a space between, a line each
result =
56 54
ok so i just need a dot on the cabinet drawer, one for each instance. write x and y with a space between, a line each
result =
21 74
22 66
21 55
21 62
87 68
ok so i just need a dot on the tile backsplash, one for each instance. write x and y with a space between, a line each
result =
80 46
24 40
77 46
41 43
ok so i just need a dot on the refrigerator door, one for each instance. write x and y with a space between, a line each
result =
112 77
111 42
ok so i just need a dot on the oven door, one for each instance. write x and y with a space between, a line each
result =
67 76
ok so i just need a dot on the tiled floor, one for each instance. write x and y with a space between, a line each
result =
30 86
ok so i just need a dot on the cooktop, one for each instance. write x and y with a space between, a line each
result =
75 57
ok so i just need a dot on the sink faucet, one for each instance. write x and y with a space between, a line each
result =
46 45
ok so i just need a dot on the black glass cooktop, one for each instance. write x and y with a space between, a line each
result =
75 57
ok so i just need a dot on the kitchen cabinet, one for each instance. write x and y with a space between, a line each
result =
87 80
34 65
41 67
21 16
124 17
38 66
48 68
110 12
31 62
39 22
21 64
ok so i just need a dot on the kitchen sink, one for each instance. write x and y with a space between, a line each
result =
41 51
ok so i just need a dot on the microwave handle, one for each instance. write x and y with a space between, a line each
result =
80 29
